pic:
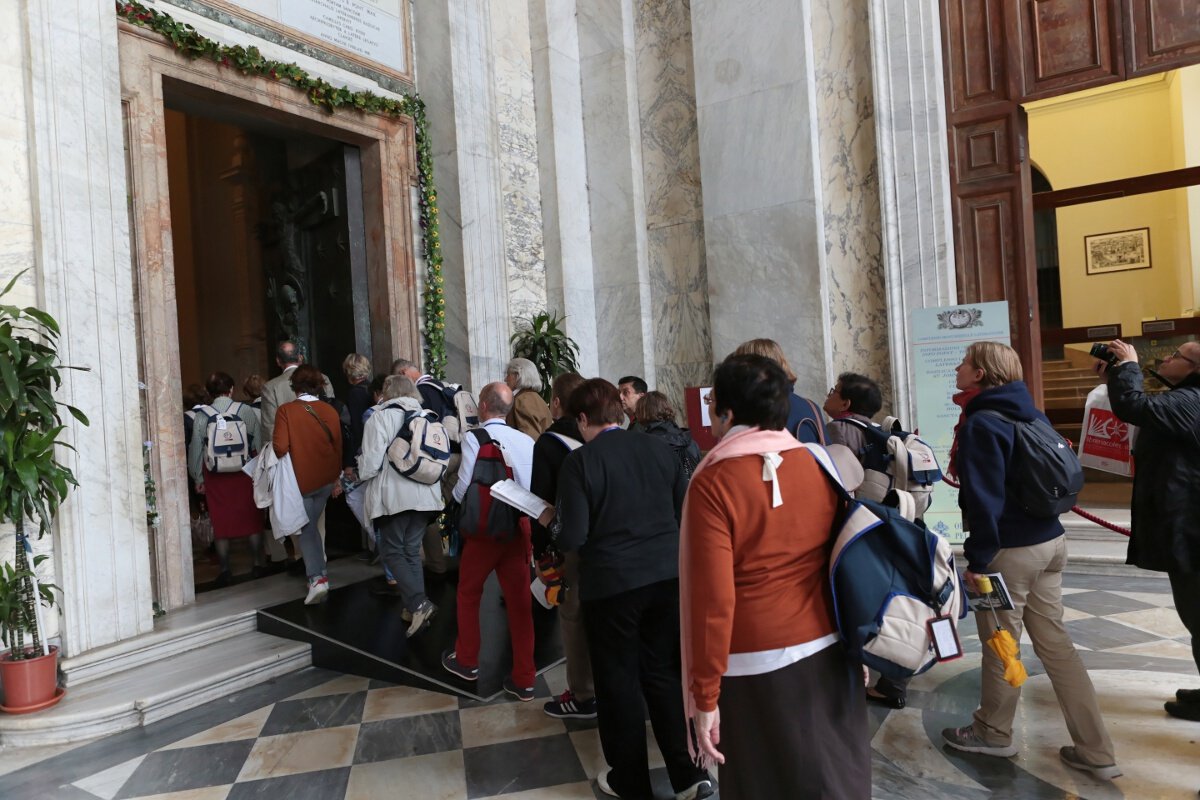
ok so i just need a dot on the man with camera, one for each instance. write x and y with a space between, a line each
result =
1166 501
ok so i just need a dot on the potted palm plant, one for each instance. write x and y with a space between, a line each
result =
546 344
33 484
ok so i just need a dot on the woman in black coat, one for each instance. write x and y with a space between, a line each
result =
656 416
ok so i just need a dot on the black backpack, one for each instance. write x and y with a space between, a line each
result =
1045 473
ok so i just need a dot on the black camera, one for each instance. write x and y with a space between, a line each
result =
1102 352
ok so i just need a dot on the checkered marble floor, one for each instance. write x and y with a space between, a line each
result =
325 736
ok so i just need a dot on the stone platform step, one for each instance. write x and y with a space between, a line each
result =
157 689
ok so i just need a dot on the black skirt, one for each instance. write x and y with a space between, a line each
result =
797 732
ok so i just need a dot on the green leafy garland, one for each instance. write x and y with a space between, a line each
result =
249 61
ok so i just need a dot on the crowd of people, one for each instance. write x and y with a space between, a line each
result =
700 585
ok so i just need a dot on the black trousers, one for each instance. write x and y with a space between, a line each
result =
1185 588
633 638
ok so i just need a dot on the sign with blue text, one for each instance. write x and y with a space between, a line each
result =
939 339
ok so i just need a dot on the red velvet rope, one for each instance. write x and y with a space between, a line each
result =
1112 526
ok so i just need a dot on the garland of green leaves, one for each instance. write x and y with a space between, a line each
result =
249 61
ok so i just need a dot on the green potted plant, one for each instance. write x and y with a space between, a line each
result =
33 484
546 344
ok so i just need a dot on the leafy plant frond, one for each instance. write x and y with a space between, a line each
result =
543 341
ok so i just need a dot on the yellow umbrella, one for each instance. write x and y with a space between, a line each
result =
1002 642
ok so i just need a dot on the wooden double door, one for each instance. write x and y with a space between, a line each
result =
999 54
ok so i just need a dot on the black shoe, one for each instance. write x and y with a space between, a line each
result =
450 663
386 590
1188 696
893 701
697 791
260 572
1183 710
521 693
224 579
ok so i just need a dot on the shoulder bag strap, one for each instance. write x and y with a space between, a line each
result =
317 417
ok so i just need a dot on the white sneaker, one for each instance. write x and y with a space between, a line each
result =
317 589
421 617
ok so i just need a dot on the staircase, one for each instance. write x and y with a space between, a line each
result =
1065 390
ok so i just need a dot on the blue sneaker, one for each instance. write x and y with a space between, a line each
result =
450 662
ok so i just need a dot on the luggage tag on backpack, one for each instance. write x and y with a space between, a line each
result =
945 639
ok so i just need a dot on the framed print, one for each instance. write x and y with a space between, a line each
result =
1117 251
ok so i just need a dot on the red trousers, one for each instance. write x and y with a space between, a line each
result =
510 561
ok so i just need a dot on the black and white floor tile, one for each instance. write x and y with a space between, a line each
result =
323 736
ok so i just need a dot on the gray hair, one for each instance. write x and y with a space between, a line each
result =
527 374
399 386
401 364
288 352
357 368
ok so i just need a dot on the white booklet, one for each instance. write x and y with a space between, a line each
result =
520 498
998 600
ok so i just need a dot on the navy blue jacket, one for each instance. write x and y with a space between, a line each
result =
985 446
804 419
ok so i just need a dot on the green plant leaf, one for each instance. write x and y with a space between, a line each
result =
8 287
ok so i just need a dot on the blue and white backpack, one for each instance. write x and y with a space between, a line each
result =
890 577
895 460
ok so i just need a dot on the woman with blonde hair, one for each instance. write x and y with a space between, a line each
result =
530 414
357 369
804 416
1029 552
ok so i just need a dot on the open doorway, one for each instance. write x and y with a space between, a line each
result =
268 244
1116 200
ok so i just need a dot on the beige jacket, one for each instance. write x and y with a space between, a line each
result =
276 392
387 491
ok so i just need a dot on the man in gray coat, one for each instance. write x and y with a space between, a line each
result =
278 390
1166 505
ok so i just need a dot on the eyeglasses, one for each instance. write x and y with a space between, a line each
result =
832 390
1178 354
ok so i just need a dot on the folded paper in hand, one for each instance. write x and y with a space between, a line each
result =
520 498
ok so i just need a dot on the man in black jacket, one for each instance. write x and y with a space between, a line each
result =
1166 503
550 452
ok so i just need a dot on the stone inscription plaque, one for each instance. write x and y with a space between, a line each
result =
371 29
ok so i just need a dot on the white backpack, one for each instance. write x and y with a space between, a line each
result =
226 443
894 459
421 449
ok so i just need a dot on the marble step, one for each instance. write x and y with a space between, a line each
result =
157 689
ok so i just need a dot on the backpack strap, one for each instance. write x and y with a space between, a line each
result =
823 459
208 411
815 422
892 424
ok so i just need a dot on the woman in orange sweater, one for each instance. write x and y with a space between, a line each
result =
311 432
760 647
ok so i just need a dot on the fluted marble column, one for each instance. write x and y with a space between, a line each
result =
456 77
86 280
562 163
914 173
616 193
763 214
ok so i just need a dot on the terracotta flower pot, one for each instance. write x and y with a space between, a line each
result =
30 684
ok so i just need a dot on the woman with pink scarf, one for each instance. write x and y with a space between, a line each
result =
767 685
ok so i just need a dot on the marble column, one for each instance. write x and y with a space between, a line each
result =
914 173
616 193
764 232
456 77
858 315
674 206
85 279
562 167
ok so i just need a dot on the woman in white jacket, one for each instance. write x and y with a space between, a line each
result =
401 508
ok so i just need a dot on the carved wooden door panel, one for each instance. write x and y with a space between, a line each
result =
1068 45
1161 35
989 169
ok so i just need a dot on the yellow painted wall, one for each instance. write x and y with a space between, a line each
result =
1116 132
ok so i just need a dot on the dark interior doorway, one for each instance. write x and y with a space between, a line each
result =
268 243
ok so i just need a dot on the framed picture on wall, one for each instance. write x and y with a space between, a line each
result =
1117 251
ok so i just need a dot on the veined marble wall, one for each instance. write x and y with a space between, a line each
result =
16 220
858 316
674 204
524 255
